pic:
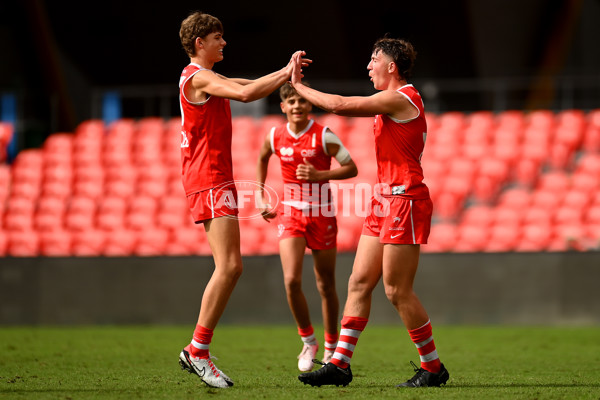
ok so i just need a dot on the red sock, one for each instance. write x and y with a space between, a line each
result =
308 335
423 338
200 342
352 327
331 341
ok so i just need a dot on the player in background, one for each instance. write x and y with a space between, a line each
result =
400 217
305 150
207 172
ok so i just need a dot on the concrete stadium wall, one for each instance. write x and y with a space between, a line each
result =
508 288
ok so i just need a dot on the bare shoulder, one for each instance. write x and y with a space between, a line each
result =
204 77
402 107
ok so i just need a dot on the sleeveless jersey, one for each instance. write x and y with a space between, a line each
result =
399 147
205 139
291 149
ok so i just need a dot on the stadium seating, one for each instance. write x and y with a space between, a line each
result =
511 181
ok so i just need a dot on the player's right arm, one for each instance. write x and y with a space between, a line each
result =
262 167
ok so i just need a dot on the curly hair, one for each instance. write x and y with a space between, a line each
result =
197 24
402 53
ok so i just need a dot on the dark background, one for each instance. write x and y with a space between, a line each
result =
58 56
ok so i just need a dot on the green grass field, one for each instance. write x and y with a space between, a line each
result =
141 363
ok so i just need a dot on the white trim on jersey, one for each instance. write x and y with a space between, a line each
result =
299 134
182 85
404 121
272 139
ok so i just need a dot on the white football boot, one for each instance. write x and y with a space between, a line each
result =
205 369
305 359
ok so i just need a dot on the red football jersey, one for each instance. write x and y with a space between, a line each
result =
292 148
398 147
205 139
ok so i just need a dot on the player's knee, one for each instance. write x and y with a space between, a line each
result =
326 288
360 284
397 294
293 283
233 269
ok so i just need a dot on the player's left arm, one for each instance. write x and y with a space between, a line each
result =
335 148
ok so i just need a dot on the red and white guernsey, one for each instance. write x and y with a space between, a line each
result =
205 139
399 147
292 148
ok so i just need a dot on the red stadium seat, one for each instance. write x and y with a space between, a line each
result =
535 238
546 199
18 222
568 215
55 243
503 238
592 214
442 238
23 243
447 206
576 199
517 198
152 241
25 189
507 216
338 124
512 120
110 220
591 139
57 173
88 242
471 238
244 127
526 172
57 150
538 216
3 243
568 236
588 183
142 212
485 189
188 240
481 216
120 243
80 213
557 181
18 215
58 189
49 214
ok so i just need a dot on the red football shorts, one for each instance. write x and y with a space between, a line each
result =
398 220
213 203
319 231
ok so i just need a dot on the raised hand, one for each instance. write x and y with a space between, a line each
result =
296 63
307 172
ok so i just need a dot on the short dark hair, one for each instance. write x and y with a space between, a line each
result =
197 24
402 53
288 90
